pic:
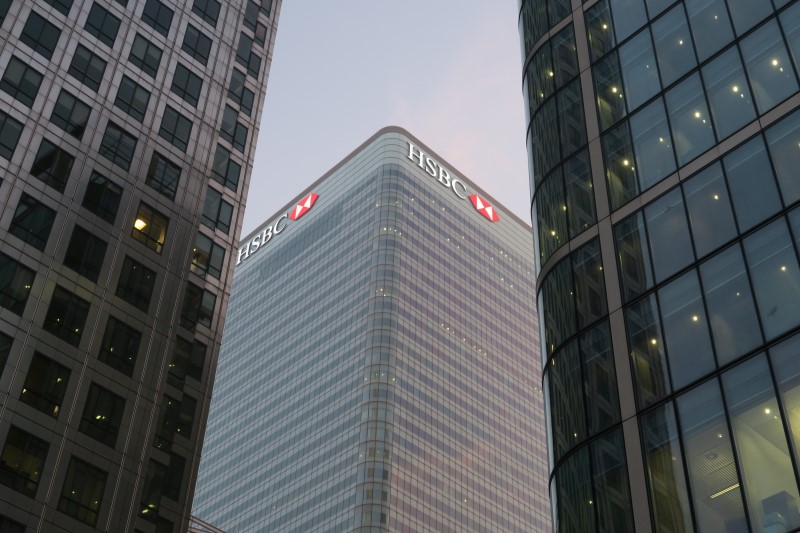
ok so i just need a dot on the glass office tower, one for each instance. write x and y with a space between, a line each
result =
665 149
375 373
127 132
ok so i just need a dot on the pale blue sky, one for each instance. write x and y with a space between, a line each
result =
449 71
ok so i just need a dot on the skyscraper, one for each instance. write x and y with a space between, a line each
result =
665 184
375 373
127 131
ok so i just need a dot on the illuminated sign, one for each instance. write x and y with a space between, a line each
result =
262 238
434 169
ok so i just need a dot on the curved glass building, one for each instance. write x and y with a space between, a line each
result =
375 373
665 174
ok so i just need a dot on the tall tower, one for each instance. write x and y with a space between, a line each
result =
664 143
127 132
375 373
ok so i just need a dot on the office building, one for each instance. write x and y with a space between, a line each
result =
375 373
127 132
664 140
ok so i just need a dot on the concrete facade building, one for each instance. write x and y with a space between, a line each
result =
664 151
127 132
375 373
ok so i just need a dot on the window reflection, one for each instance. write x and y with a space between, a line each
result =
753 199
711 26
652 144
771 74
728 93
673 45
710 211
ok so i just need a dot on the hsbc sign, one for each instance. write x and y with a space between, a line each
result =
434 169
262 238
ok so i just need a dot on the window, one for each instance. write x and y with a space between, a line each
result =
136 283
102 24
87 68
196 44
102 197
168 415
52 165
251 15
674 47
6 524
85 253
186 412
32 222
266 7
158 16
775 275
668 231
246 57
45 385
260 34
163 175
623 184
647 351
5 5
132 98
70 114
711 26
10 130
637 59
120 346
746 14
753 200
174 479
40 35
198 307
241 94
118 146
217 213
652 145
783 140
82 493
21 81
710 211
188 359
690 118
187 84
175 128
22 461
150 227
102 415
145 55
151 493
63 6
207 257
728 93
233 131
207 10
767 61
225 170
6 343
66 316
15 284
608 82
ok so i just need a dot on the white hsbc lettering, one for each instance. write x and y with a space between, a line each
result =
261 239
437 171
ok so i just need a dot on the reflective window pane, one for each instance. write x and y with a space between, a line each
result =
633 257
686 330
728 93
612 493
790 22
570 118
629 16
785 359
776 277
713 477
690 119
599 28
559 303
552 217
731 309
783 140
565 56
768 479
664 462
668 231
767 61
747 13
652 145
610 100
574 489
710 211
639 71
673 45
752 185
620 168
599 379
590 288
566 401
711 26
647 352
580 195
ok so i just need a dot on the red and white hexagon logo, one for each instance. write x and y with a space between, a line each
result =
303 207
484 208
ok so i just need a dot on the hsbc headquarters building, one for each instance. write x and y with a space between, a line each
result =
376 370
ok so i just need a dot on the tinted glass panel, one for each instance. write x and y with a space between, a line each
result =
752 185
728 93
668 231
710 211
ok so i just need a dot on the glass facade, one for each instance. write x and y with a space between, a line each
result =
375 372
691 127
108 124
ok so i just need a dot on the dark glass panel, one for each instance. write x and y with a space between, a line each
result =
623 183
711 26
767 61
652 144
610 476
673 45
633 256
647 351
728 93
710 211
690 119
752 184
639 70
669 237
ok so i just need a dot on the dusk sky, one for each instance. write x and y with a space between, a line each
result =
447 71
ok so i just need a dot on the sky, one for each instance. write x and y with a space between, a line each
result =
449 71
